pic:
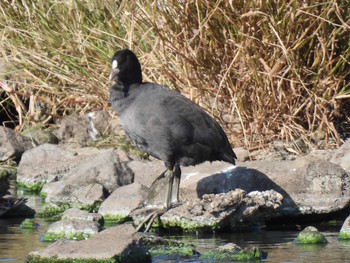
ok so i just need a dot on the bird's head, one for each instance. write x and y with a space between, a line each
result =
126 68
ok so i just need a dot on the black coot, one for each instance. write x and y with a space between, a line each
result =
164 123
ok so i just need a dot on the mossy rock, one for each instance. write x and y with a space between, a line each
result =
310 235
232 252
168 249
51 210
50 237
28 224
187 225
344 235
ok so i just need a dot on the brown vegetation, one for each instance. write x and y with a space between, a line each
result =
265 69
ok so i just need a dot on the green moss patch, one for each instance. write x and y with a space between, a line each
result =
28 224
53 211
31 188
50 237
344 235
111 220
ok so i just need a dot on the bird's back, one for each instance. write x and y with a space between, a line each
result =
170 127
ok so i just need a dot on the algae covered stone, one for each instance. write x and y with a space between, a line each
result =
344 233
310 235
28 224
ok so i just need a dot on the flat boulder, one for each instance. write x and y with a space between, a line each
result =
122 201
46 163
309 185
121 243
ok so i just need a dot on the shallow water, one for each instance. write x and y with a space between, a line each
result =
15 244
278 244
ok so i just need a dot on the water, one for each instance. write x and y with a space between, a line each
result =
278 244
15 244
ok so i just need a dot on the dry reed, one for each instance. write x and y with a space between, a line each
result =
265 69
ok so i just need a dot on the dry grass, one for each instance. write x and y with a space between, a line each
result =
265 69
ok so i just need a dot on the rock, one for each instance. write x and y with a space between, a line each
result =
77 214
88 184
86 129
242 154
232 253
12 144
218 211
341 156
162 249
39 135
122 201
344 233
45 163
121 243
71 229
310 185
310 235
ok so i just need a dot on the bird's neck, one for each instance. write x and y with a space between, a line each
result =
121 95
117 94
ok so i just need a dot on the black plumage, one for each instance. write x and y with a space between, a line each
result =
164 123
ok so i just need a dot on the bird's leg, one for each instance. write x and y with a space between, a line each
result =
176 184
169 192
148 221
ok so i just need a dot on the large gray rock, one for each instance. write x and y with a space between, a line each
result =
341 156
12 144
120 242
309 185
46 163
90 181
122 201
71 229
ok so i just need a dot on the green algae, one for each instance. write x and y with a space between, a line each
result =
344 235
310 235
28 224
29 187
49 237
116 219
